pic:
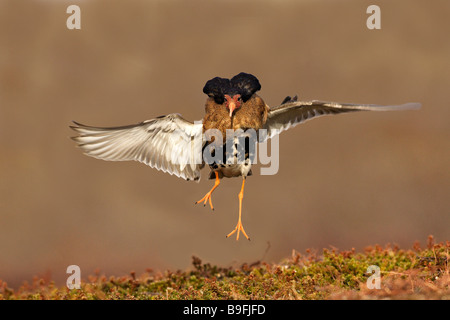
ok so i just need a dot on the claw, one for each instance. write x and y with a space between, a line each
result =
207 197
239 226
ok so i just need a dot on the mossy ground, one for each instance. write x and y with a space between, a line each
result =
415 273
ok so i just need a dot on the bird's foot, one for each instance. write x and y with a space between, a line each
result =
239 228
206 198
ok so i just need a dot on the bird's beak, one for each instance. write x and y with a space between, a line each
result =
232 107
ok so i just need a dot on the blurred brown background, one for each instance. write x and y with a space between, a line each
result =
348 181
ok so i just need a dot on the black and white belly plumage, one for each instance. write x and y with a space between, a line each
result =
238 154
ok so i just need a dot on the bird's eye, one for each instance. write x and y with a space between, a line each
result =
219 100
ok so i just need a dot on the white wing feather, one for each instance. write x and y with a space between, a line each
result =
170 144
290 114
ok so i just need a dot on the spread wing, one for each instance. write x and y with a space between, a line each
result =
168 143
292 113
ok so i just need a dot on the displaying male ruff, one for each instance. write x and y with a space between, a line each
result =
167 142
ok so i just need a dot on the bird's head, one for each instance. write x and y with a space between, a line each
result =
233 102
232 92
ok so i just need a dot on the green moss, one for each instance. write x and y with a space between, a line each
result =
414 273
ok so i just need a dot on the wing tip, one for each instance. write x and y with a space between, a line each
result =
77 124
412 105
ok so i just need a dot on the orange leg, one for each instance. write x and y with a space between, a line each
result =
208 195
239 226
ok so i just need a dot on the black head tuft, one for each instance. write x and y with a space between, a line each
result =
216 88
246 83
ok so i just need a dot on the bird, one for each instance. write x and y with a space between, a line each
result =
183 148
